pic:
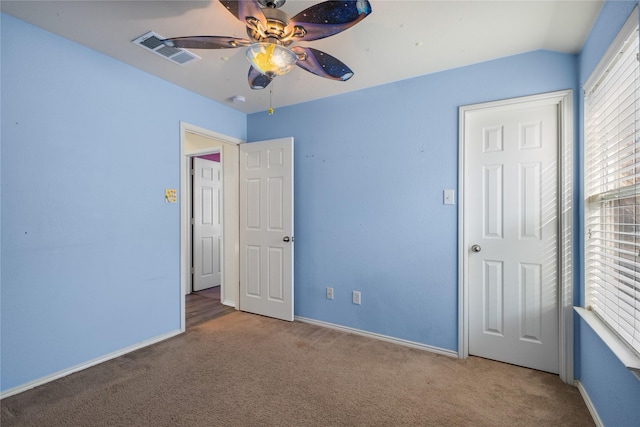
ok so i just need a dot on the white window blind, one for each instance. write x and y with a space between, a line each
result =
612 183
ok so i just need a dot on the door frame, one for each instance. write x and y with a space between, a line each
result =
228 148
564 101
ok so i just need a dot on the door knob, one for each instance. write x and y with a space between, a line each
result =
286 239
476 248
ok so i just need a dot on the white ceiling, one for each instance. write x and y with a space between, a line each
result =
401 39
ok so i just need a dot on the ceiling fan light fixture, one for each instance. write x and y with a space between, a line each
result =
271 59
271 34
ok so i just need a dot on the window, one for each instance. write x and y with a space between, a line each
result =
612 187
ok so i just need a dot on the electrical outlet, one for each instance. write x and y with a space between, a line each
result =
329 293
356 297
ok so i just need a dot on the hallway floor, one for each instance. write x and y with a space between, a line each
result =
204 305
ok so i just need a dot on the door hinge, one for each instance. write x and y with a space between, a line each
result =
193 270
193 171
193 221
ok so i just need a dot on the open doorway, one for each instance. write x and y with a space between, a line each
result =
196 142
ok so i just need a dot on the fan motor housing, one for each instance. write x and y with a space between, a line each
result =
272 3
277 22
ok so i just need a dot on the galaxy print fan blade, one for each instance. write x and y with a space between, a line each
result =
257 80
206 42
322 64
330 17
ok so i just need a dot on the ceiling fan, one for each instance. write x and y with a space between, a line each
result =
271 33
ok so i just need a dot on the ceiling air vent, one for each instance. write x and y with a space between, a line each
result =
153 42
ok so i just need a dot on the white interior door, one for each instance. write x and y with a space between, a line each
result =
207 226
266 228
511 233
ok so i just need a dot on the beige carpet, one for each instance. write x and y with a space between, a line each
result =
247 370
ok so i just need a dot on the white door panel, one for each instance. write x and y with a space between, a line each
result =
266 228
207 227
511 214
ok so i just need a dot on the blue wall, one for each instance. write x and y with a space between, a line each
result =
90 250
371 167
613 390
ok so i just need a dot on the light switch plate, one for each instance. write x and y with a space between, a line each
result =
449 197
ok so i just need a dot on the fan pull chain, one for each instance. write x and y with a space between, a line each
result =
270 100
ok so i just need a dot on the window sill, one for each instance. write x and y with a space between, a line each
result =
628 358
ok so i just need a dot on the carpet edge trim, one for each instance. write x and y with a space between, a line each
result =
380 337
589 403
84 365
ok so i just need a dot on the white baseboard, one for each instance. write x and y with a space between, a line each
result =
380 337
85 365
590 407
